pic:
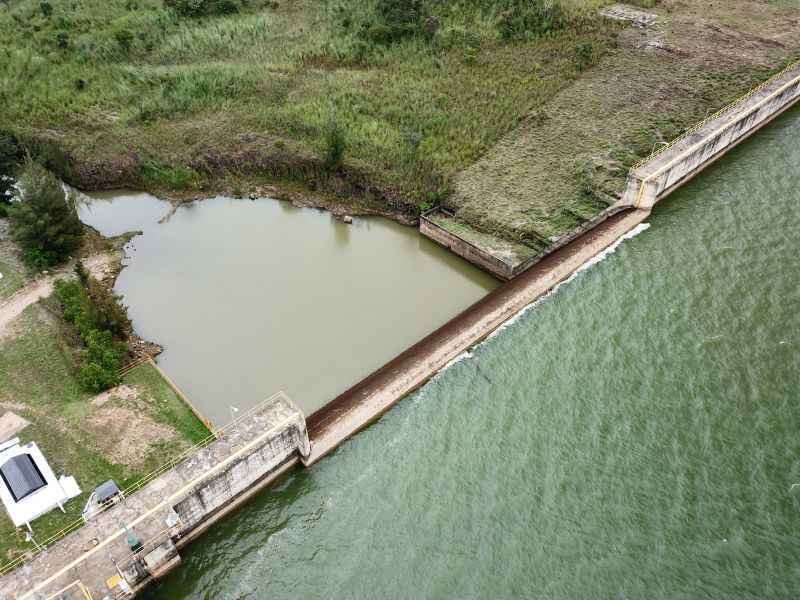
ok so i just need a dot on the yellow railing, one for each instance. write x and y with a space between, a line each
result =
716 115
78 585
757 106
138 485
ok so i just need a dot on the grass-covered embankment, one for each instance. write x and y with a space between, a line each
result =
137 93
568 161
395 104
122 435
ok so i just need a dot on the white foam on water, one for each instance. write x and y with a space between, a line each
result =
597 258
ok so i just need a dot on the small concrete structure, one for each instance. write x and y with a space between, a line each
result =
28 486
123 548
628 14
494 256
103 495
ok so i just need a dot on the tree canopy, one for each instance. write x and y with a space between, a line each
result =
45 221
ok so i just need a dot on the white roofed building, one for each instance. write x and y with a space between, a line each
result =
28 486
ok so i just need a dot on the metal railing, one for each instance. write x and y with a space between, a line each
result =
76 586
750 111
136 486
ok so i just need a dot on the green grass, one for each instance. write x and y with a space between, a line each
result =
526 137
193 99
37 382
13 279
171 410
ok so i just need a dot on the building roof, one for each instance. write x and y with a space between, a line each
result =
105 490
28 486
22 476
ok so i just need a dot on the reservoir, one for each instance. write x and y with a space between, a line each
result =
633 435
252 297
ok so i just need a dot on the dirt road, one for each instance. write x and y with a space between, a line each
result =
99 265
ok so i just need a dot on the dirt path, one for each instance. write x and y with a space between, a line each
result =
99 265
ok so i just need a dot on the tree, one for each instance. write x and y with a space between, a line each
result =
45 222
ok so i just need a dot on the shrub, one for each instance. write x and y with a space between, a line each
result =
103 360
583 55
526 18
108 312
100 328
399 13
396 19
45 222
227 7
197 8
124 39
335 145
46 8
187 8
94 378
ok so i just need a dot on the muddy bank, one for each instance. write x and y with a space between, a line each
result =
249 166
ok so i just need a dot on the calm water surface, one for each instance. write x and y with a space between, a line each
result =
251 297
636 435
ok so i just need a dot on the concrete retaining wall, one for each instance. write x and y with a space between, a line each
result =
570 237
464 249
684 159
203 501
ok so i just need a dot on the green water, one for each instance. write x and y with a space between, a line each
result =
635 435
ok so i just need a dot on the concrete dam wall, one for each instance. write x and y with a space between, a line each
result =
685 157
118 552
648 182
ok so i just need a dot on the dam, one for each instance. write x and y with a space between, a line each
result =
487 316
632 435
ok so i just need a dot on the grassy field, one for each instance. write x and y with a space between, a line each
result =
120 436
570 160
131 93
525 130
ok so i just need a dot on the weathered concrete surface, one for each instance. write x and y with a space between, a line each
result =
683 160
629 14
365 402
499 260
171 508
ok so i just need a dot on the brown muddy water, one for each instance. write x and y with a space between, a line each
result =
250 297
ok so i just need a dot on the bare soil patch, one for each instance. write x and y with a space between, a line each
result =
11 424
126 437
122 392
101 266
